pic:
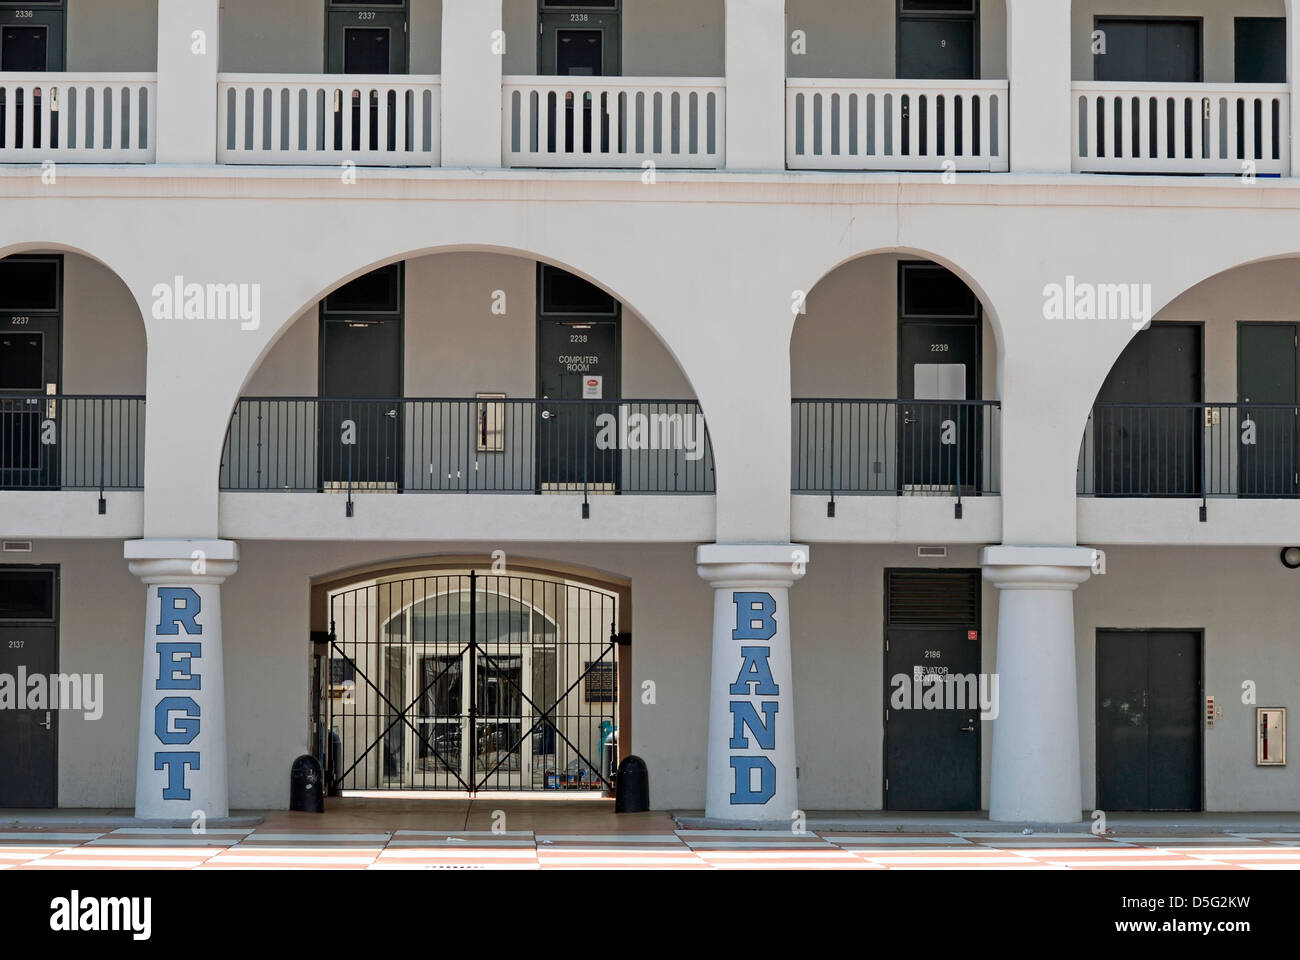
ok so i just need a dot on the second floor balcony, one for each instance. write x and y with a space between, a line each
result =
478 445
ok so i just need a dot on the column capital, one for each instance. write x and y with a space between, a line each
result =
189 561
1038 568
751 564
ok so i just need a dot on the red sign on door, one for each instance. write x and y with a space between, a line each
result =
972 634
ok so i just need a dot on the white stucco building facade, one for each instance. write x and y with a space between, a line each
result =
961 345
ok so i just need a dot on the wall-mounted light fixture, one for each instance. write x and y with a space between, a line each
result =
1291 558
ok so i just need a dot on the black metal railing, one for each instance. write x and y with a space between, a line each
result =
1191 450
896 447
56 442
481 445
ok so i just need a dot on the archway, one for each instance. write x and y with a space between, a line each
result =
1202 403
455 674
468 371
72 374
894 369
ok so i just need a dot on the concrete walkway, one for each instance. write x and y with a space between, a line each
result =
595 815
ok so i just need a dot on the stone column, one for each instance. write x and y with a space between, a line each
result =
751 759
1036 734
181 764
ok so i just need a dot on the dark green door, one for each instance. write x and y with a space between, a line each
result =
366 39
932 747
31 41
1148 720
579 39
32 36
361 383
1157 50
29 642
579 42
939 361
579 372
31 324
1147 427
1267 392
937 41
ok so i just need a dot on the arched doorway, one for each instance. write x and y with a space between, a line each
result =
448 679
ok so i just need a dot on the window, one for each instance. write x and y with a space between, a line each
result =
563 293
27 594
377 292
30 284
929 290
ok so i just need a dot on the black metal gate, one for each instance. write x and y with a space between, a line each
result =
471 682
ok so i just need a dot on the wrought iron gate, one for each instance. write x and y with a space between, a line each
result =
468 682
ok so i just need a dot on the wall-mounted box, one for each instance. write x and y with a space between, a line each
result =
491 423
1270 737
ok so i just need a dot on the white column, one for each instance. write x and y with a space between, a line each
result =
755 58
751 765
189 48
1293 78
472 54
1038 70
1036 734
181 764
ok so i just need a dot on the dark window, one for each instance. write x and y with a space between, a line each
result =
365 50
29 284
949 7
26 594
24 48
376 292
929 290
562 292
21 361
580 53
1261 50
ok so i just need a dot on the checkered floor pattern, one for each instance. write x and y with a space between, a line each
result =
179 849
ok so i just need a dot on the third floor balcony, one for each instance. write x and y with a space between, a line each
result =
882 85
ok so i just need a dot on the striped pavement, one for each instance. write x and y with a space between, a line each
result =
154 848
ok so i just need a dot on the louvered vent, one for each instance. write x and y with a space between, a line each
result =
933 597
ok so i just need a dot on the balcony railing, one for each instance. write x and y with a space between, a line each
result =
481 445
288 119
896 447
78 117
71 442
1191 450
896 125
614 122
1226 128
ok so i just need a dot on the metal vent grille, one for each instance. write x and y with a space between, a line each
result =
933 597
